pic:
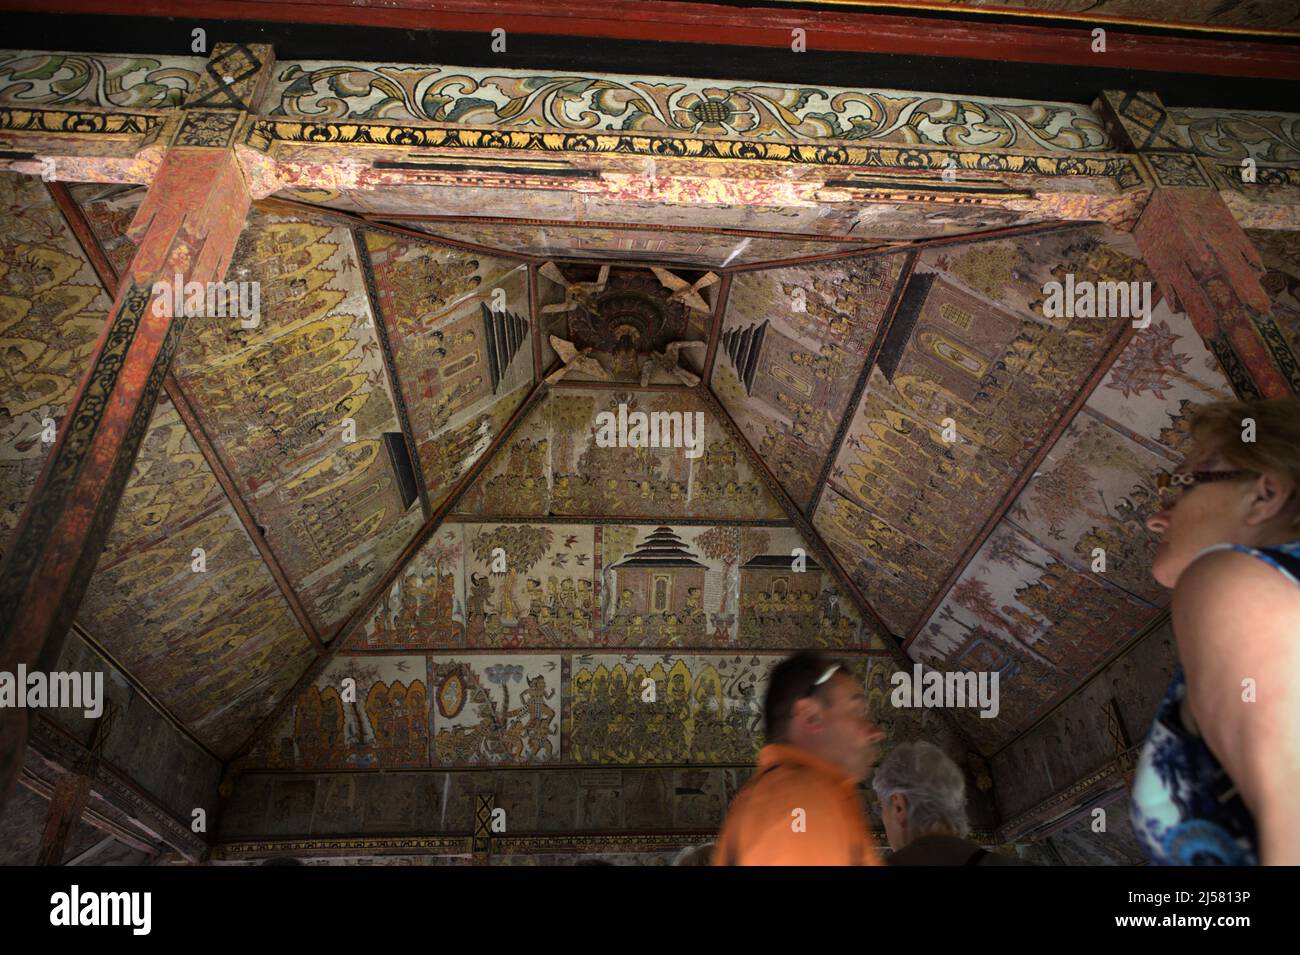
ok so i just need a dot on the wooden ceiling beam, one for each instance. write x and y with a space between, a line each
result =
350 220
380 319
996 36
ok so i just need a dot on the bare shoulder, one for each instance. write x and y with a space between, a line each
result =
1228 584
1233 610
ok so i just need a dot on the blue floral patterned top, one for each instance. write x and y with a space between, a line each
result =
1185 810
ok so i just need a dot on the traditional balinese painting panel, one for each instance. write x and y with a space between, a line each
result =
97 79
109 210
706 709
361 712
458 323
536 99
531 585
484 585
553 465
1089 505
970 379
549 240
1281 253
183 600
496 709
485 709
425 606
1163 374
52 309
1020 611
399 711
794 342
300 409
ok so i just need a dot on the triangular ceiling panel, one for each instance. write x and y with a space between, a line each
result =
972 378
458 326
553 465
793 345
1065 581
183 600
298 409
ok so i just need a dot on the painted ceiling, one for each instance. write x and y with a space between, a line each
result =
371 484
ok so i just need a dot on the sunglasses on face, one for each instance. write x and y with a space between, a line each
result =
1169 485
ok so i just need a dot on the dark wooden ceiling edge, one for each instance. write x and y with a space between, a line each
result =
367 604
390 366
535 321
864 376
715 330
916 245
613 519
86 637
217 464
1066 418
997 35
275 205
63 748
90 245
1158 619
92 816
622 227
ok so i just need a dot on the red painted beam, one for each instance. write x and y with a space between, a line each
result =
187 225
840 30
1196 250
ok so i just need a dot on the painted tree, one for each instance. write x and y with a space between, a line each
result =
568 415
973 594
720 543
1010 549
1150 363
524 545
444 553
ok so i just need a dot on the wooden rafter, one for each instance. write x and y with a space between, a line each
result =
860 386
350 220
381 320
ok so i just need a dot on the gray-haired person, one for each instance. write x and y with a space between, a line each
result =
923 806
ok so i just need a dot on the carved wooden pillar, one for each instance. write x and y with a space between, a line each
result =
187 226
1198 252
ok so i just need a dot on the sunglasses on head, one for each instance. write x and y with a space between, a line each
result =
830 672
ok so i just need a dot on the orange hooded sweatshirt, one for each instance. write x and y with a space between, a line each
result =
797 810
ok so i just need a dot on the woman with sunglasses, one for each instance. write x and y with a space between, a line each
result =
1218 782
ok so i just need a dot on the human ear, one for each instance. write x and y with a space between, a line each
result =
1272 496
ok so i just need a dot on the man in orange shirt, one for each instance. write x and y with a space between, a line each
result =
802 806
